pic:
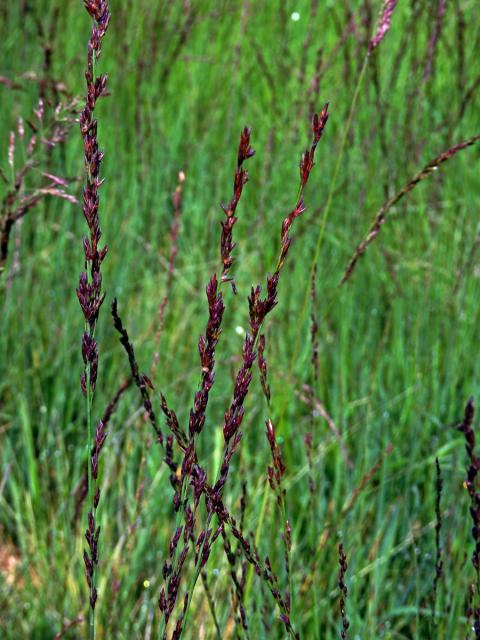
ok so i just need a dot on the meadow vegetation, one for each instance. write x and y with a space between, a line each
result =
351 491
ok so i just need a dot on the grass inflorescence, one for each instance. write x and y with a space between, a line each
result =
272 437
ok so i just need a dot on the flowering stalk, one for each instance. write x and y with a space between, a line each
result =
141 380
384 24
438 529
89 290
263 368
227 245
342 570
250 551
275 473
22 197
189 469
80 492
206 346
472 485
381 215
259 308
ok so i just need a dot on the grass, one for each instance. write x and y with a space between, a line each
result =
397 344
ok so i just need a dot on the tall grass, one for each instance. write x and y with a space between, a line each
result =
90 288
395 349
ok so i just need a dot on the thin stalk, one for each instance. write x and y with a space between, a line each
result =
89 400
288 556
198 568
258 531
333 183
89 291
258 310
183 497
196 573
325 215
381 29
304 308
211 606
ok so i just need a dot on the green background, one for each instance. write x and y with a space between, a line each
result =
398 344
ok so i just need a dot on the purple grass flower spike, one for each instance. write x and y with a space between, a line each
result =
342 570
89 291
381 215
259 308
471 484
240 179
384 24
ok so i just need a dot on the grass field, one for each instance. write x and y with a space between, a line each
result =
397 343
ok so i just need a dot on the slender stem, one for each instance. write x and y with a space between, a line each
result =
198 567
196 573
89 289
183 497
320 237
211 605
257 538
255 334
90 487
333 183
288 560
323 225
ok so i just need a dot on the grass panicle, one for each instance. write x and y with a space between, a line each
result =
220 531
471 484
27 186
342 571
384 24
381 215
438 531
89 292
